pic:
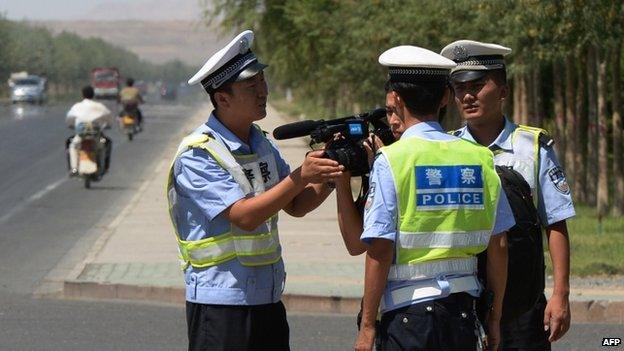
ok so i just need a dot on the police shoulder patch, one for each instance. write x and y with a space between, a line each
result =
558 178
370 197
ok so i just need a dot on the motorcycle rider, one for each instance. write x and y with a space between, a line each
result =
130 98
84 114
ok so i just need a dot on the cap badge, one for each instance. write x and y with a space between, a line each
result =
244 46
460 53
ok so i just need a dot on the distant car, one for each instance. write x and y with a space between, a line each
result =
168 92
30 88
105 82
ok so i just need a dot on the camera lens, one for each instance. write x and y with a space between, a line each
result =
339 155
353 158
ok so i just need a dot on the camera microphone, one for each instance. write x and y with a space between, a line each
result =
296 129
304 128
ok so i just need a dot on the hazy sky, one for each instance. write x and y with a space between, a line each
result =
100 9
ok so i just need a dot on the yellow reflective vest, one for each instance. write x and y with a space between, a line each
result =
447 197
525 158
252 248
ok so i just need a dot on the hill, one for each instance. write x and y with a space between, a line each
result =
156 41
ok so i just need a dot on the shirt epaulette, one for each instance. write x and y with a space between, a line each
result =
545 139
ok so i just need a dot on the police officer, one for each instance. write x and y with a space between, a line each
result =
225 188
480 86
434 203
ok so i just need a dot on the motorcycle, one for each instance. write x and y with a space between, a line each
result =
128 118
93 151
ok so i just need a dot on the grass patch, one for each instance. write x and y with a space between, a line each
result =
595 249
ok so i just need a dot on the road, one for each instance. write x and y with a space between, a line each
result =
55 325
43 214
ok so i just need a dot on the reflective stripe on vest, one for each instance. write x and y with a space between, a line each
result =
253 174
447 195
432 269
524 157
412 240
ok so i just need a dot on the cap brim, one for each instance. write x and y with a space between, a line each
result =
467 76
251 71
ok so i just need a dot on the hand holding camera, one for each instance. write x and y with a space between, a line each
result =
371 145
317 169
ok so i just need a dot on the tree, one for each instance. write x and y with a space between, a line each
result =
559 103
67 59
580 135
618 174
326 52
570 118
592 122
603 166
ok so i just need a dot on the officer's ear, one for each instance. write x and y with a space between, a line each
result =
399 105
504 92
500 78
222 98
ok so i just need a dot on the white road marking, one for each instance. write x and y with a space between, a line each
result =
34 197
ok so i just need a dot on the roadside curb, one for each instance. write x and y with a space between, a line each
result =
75 289
591 311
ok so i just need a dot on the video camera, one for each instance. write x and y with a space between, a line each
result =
348 148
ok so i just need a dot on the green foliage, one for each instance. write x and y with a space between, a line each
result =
67 59
326 50
4 46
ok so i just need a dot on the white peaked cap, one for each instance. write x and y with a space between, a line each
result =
414 56
474 58
234 62
412 63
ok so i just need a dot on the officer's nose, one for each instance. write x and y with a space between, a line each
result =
393 120
467 96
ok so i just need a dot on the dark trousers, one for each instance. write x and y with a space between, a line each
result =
526 333
108 147
67 142
446 324
237 328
